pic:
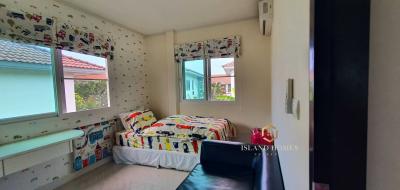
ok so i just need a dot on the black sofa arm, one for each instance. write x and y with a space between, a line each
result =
225 153
268 175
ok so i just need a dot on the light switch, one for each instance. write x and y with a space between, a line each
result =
289 96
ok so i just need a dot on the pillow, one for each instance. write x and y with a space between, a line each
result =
147 119
137 120
130 120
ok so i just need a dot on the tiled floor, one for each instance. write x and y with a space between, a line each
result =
125 177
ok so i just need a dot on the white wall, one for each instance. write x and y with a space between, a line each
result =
157 74
252 107
290 42
383 155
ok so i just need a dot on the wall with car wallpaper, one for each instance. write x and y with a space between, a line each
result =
127 90
252 107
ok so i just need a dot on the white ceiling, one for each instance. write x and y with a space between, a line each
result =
157 16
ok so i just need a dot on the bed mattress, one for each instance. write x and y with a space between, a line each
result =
179 133
155 158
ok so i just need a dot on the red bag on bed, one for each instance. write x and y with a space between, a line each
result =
262 138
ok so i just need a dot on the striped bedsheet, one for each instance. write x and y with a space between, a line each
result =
178 133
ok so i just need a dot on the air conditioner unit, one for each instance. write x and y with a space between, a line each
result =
265 14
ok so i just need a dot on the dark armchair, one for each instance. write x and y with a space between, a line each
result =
233 165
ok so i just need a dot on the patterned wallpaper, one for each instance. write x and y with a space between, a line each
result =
39 175
127 89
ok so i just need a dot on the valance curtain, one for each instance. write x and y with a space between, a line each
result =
46 31
76 39
27 28
225 47
189 51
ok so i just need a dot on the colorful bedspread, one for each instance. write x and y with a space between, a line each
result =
159 143
191 127
178 133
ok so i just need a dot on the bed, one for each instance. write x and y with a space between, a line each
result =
172 142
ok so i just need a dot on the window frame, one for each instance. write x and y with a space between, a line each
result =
59 93
56 98
207 85
61 88
183 82
209 80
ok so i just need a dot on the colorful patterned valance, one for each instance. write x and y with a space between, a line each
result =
75 39
189 51
26 27
42 30
225 47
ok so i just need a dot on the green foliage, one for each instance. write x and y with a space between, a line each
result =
80 102
90 94
216 89
225 98
218 93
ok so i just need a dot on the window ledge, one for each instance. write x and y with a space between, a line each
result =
25 146
205 102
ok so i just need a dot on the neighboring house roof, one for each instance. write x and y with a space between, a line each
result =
231 64
229 68
93 77
193 73
222 79
16 52
76 63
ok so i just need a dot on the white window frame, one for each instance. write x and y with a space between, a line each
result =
183 82
61 88
207 85
59 93
42 115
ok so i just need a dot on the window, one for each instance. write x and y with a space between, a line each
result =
85 82
27 86
194 77
36 81
212 79
222 79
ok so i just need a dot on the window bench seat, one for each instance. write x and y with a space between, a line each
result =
24 154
